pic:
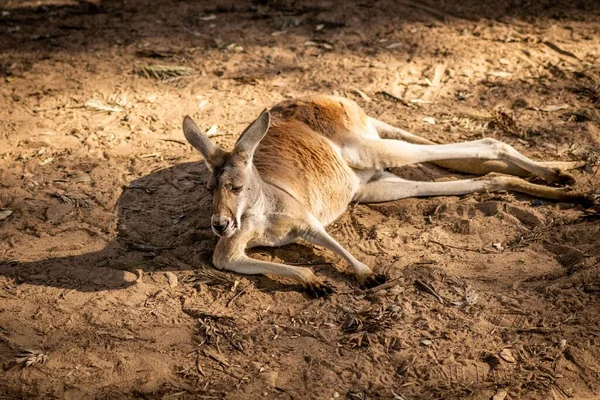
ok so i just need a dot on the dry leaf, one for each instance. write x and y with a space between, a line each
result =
500 395
438 74
361 94
562 344
420 101
507 356
29 357
5 214
501 74
150 155
553 108
212 131
321 44
46 161
172 279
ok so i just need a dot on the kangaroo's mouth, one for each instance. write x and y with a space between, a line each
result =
230 230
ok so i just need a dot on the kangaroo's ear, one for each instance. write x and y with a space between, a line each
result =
251 137
213 154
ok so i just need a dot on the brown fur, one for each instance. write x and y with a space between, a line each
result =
313 172
335 118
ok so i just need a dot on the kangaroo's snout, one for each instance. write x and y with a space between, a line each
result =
220 224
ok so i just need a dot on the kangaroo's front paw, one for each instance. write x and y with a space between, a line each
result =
561 178
318 289
373 280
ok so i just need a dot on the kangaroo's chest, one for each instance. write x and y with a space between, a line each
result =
273 230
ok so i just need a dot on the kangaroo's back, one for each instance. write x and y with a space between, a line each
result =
300 152
337 118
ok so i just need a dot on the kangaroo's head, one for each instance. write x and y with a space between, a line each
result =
234 183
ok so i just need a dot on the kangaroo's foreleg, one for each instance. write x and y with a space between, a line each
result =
230 255
316 234
470 166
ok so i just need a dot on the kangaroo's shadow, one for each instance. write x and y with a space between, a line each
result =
163 224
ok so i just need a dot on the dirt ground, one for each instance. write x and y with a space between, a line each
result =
105 272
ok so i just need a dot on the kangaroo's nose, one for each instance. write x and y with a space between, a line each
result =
220 224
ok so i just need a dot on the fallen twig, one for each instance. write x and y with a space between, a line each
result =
217 357
422 286
391 97
560 51
238 294
311 263
164 72
384 286
461 248
147 248
175 141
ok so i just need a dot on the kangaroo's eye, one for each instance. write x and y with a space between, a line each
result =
236 189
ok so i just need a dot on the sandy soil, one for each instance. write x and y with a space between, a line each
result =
105 270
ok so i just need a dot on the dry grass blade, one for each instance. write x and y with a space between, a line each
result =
247 80
506 124
585 152
210 276
29 357
468 295
536 234
359 324
238 294
102 106
164 72
215 327
69 199
469 122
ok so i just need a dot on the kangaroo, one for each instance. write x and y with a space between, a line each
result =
297 167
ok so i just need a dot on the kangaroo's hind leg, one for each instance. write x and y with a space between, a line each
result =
470 166
387 187
378 153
